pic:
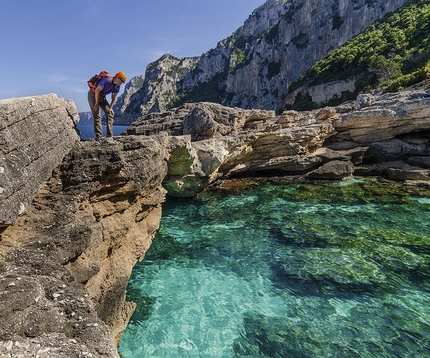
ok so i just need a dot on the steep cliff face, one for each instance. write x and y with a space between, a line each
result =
388 56
66 259
254 67
154 91
65 264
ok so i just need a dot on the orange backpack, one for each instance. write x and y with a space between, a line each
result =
93 81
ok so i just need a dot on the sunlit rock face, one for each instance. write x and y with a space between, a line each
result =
93 207
91 210
154 91
35 135
366 137
254 67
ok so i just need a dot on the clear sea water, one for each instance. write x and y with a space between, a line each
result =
297 270
87 130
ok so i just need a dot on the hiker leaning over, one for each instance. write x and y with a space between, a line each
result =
97 100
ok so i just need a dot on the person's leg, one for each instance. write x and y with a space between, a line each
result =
104 105
109 119
97 118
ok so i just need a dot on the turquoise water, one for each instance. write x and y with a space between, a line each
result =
337 270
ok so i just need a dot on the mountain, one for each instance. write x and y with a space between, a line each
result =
86 117
389 56
255 66
155 91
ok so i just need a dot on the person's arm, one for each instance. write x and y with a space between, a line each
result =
113 101
97 97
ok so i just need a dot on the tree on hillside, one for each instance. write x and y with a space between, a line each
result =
386 68
392 54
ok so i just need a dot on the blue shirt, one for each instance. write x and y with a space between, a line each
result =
108 86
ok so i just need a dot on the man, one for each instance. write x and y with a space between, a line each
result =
97 99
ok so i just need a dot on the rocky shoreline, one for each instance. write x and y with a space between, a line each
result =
386 135
76 216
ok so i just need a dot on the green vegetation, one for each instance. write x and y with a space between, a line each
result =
170 97
177 70
237 58
239 53
208 91
211 90
391 54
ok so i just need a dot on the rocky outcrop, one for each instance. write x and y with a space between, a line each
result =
255 66
65 261
155 91
384 136
322 93
35 135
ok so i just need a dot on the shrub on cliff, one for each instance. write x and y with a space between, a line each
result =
403 36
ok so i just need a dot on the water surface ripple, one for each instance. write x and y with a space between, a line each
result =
338 270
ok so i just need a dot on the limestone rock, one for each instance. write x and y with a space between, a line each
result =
218 142
408 173
255 66
395 149
335 169
65 264
35 135
389 116
201 121
363 100
154 91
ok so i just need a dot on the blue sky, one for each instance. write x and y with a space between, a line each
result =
54 46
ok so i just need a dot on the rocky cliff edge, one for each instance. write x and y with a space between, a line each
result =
77 215
386 136
87 213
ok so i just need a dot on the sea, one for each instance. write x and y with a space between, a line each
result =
337 269
87 130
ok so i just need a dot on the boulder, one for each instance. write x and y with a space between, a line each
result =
335 169
35 135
